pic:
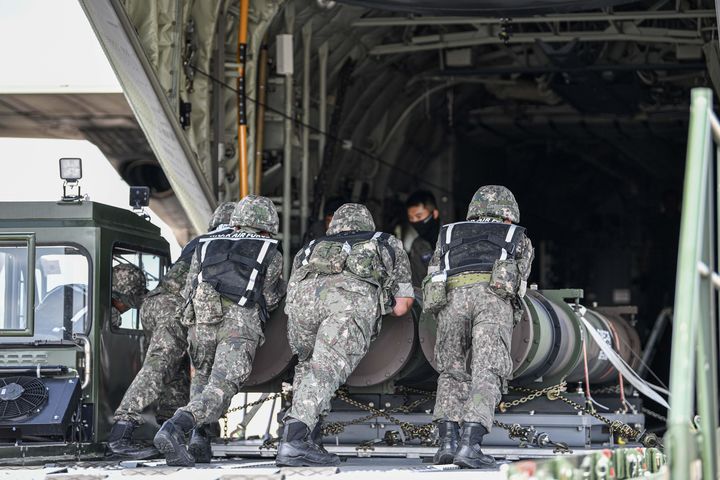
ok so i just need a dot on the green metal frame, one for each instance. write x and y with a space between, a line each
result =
27 240
693 369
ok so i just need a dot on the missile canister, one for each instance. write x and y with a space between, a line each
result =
547 347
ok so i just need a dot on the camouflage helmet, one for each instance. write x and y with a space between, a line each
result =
129 284
256 212
494 201
174 279
351 217
221 215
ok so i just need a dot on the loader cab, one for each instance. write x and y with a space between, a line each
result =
63 366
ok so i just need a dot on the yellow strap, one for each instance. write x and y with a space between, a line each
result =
464 279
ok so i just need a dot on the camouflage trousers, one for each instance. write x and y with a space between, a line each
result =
222 354
476 322
329 328
164 377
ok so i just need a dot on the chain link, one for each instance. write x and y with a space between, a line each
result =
425 432
247 405
533 394
422 432
555 392
656 415
649 440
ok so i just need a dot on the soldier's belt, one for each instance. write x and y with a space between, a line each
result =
463 280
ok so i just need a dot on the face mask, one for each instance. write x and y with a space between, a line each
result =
428 229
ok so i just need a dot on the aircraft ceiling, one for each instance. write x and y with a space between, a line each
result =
622 65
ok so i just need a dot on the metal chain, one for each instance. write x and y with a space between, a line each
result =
656 415
555 393
243 407
526 435
606 390
422 432
552 390
336 428
649 440
529 436
425 432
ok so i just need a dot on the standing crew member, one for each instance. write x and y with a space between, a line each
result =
235 278
165 374
340 286
477 276
424 217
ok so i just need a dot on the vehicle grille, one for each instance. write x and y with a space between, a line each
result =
23 358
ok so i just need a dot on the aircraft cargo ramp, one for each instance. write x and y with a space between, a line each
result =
619 464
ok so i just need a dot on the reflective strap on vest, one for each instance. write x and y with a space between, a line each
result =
465 279
255 272
508 239
307 252
203 251
448 239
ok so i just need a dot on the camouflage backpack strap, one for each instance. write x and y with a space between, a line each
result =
307 251
383 240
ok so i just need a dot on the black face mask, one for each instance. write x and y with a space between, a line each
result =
428 229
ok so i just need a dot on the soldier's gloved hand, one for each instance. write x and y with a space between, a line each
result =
402 306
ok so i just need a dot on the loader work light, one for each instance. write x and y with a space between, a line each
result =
71 169
71 173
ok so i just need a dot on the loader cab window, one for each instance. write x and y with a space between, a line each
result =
153 265
59 292
62 303
14 288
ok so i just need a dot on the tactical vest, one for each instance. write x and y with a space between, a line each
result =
355 252
235 264
189 249
475 246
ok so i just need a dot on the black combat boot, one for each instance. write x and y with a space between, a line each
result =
448 433
317 438
297 449
121 444
170 439
468 454
200 447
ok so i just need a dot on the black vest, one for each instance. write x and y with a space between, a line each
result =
235 264
474 246
351 238
189 249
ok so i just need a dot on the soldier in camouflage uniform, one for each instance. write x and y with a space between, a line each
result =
484 263
129 287
163 370
165 375
339 287
235 278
